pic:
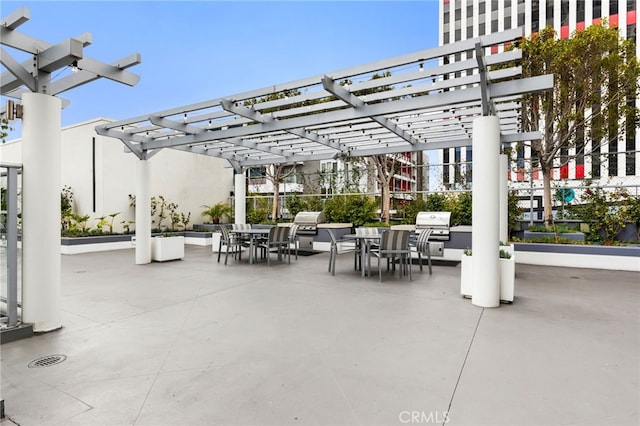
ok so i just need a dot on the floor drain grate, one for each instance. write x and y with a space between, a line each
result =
47 361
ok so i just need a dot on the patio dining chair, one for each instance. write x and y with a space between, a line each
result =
278 239
339 246
422 247
230 241
394 246
294 241
365 230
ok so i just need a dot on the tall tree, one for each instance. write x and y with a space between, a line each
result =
596 75
385 166
276 174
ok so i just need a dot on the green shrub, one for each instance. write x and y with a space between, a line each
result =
436 203
460 206
607 213
356 209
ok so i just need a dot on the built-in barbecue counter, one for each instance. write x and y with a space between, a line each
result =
459 239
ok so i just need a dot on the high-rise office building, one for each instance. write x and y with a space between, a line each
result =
614 162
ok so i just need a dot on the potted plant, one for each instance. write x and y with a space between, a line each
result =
217 212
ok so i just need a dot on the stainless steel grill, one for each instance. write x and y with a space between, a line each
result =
308 222
439 221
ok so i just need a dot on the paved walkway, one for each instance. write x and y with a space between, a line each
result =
195 342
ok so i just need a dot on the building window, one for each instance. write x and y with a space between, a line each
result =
549 14
469 10
445 38
494 26
481 7
630 144
445 18
631 5
597 9
613 7
613 162
481 29
564 12
445 166
595 160
535 16
580 6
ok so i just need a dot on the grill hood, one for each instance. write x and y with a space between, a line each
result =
309 218
433 219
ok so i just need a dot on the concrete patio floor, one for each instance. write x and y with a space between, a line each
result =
195 342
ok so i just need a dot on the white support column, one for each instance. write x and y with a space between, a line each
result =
486 212
504 198
240 189
41 185
143 213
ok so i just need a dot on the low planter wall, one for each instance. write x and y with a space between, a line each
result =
77 245
622 258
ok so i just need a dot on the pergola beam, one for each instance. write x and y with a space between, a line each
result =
15 18
20 73
230 106
351 99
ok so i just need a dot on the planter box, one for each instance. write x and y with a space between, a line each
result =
623 258
167 248
507 278
466 276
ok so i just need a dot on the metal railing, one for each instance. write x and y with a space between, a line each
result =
10 255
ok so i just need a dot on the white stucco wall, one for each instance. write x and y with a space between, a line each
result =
186 179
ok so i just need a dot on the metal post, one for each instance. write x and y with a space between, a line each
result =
12 246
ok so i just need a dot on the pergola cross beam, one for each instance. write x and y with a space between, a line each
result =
348 97
35 74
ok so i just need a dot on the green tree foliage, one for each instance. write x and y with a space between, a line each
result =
436 202
515 211
356 209
4 128
596 73
460 207
296 204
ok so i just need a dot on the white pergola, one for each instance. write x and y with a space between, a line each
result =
421 101
414 102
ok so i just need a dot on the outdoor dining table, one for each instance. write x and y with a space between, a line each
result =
363 242
252 234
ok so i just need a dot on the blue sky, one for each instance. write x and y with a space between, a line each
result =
194 51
